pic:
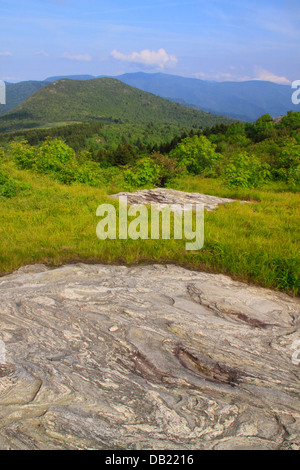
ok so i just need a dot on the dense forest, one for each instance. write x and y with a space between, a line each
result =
241 154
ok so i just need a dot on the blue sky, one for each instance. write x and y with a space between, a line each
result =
212 39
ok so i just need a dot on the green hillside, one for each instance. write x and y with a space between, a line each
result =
68 101
16 93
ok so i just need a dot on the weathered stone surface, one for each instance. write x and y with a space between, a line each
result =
157 357
164 196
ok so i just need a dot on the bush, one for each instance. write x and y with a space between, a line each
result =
168 168
145 172
290 121
24 155
57 159
9 187
286 165
87 173
263 128
246 171
197 155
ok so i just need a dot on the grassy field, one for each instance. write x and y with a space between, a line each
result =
52 223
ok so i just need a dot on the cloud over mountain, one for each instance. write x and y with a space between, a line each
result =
152 59
265 75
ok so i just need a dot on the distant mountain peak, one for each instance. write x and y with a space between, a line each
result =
68 100
246 100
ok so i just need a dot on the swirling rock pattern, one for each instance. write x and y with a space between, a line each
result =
148 357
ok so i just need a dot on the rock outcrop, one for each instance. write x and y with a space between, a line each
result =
149 357
165 197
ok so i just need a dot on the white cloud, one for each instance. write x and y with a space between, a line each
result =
259 74
5 54
157 59
265 75
219 77
42 53
79 57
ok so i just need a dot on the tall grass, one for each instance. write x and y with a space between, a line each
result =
52 223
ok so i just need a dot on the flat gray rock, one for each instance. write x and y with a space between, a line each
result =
164 196
149 357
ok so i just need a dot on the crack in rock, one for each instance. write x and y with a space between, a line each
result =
211 371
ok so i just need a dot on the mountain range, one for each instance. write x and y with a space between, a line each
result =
68 101
245 101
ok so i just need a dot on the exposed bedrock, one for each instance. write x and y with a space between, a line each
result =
148 357
166 197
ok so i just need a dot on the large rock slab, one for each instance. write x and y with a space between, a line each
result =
148 357
166 197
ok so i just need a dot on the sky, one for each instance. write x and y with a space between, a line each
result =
222 40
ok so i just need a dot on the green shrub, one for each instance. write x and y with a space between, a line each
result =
9 187
145 172
167 168
88 173
197 155
24 155
53 156
286 164
57 159
245 171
